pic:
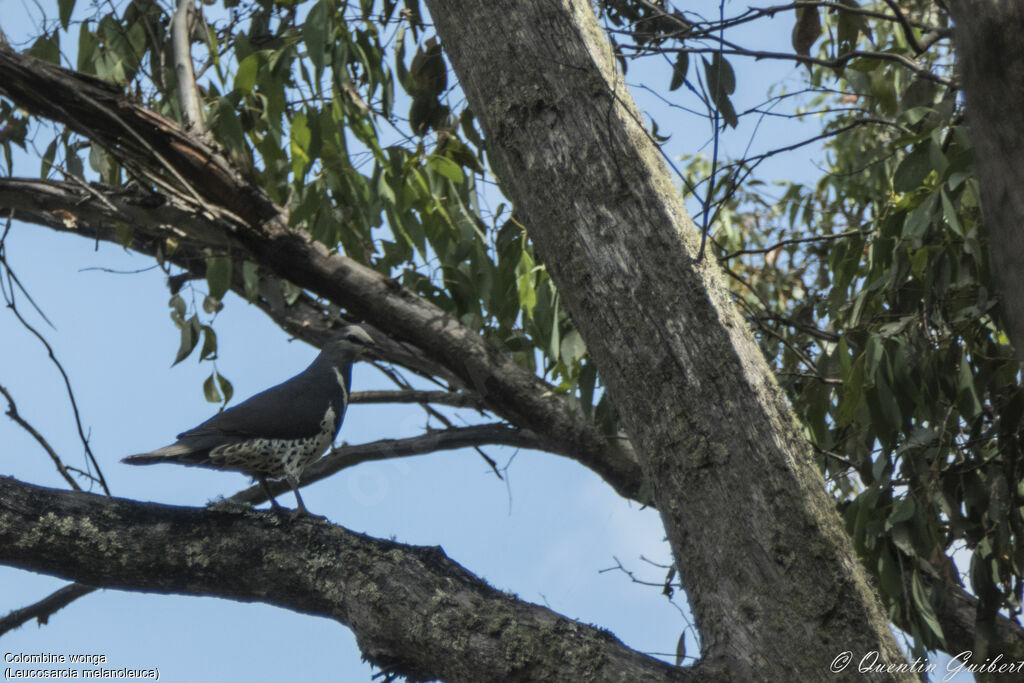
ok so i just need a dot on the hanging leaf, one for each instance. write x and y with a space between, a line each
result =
209 350
721 83
64 10
924 606
681 649
428 72
679 69
210 390
189 339
251 280
849 27
218 275
806 30
315 33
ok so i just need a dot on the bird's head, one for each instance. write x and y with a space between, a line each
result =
350 341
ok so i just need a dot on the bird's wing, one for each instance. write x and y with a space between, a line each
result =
290 410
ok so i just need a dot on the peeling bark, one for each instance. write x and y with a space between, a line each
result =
414 611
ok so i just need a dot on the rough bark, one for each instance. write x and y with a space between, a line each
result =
49 203
414 611
989 46
775 585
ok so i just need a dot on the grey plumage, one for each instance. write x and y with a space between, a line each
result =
277 432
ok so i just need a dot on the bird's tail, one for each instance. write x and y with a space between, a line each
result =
176 452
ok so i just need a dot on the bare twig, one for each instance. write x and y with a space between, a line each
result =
100 479
45 608
838 62
8 295
449 398
12 412
443 419
795 240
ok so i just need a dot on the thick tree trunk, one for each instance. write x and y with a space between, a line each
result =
775 585
51 203
990 46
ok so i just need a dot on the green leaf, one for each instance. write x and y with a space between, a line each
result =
949 213
209 350
914 168
226 124
527 292
210 390
573 349
446 167
225 387
251 280
48 156
902 511
291 292
853 394
248 72
177 305
314 32
924 606
849 28
806 29
679 69
872 359
300 140
919 220
721 83
218 275
428 72
967 396
720 76
189 338
64 9
47 48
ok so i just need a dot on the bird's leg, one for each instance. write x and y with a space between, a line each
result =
298 499
301 511
270 495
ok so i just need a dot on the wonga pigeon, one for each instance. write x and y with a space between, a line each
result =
277 432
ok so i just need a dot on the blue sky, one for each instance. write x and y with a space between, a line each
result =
545 533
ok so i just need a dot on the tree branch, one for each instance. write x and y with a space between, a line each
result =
448 398
45 608
386 449
188 92
414 611
237 213
508 389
